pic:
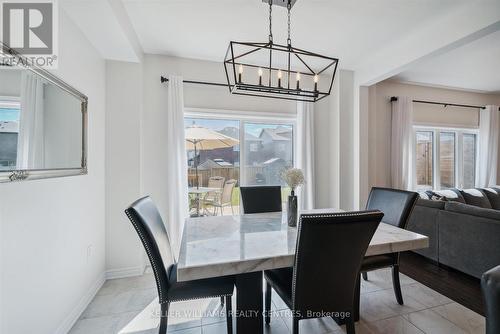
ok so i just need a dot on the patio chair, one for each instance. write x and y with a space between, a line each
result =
225 198
213 196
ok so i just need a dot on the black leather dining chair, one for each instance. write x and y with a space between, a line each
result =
397 206
490 284
148 224
260 199
325 275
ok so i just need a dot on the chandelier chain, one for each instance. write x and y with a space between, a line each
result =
271 21
289 7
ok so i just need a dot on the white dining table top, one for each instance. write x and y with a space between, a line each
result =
228 245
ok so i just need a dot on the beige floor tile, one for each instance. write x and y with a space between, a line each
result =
115 286
431 322
424 295
464 318
382 304
395 325
98 325
381 280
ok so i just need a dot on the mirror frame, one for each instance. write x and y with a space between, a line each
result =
35 174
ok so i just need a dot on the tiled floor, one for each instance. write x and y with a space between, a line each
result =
130 306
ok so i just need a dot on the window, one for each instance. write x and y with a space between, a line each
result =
424 160
265 149
445 158
469 160
9 128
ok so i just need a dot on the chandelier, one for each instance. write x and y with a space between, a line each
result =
278 71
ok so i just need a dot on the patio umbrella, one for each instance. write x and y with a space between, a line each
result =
199 138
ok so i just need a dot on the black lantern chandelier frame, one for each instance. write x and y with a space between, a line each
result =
234 64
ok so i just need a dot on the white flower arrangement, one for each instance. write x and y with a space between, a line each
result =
293 177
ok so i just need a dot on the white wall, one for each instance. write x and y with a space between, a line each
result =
123 129
380 118
46 226
124 256
10 85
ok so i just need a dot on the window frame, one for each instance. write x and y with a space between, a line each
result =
436 173
253 117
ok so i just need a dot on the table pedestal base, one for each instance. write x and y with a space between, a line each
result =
249 303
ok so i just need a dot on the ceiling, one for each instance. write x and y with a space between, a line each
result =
474 66
349 30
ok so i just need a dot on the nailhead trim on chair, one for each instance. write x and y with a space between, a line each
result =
148 251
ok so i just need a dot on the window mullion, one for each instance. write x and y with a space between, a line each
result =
437 171
459 160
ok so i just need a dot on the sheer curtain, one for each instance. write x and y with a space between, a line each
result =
177 203
489 127
31 137
305 153
402 143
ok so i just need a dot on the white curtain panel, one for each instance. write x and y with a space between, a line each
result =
31 136
489 127
177 205
402 143
305 153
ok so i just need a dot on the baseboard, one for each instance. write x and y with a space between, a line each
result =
125 272
74 315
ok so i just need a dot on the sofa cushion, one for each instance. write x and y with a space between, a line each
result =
453 195
476 197
493 195
472 210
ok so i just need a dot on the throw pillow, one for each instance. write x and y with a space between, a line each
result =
493 195
476 197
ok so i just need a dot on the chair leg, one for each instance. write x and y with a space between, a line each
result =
222 301
163 319
365 275
229 315
295 326
396 284
267 303
350 326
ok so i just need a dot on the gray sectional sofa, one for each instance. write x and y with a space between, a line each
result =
463 227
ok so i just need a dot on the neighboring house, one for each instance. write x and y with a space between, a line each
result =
272 169
276 143
215 163
253 148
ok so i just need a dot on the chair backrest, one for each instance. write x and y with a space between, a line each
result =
148 224
216 182
259 199
490 284
227 192
397 205
330 249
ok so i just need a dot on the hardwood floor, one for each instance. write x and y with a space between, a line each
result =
462 288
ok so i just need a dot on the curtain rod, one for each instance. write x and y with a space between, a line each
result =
163 79
394 98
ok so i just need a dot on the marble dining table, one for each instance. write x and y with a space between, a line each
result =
246 245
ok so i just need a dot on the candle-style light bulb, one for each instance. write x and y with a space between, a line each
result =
260 76
240 72
279 78
316 79
298 80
